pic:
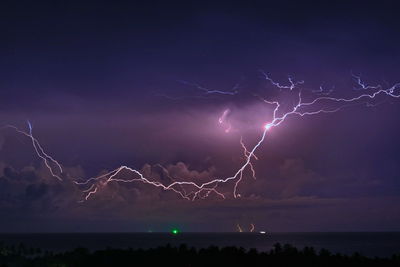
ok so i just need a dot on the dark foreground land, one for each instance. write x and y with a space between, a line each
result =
285 255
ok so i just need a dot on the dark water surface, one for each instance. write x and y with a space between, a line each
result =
382 244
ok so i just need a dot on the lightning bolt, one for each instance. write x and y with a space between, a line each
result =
246 154
292 84
299 108
52 165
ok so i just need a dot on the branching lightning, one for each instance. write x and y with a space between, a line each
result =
52 165
292 84
190 190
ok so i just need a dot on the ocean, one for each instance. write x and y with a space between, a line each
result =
371 244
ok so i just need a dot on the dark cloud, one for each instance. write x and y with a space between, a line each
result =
100 84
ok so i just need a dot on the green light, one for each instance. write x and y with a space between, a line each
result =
175 231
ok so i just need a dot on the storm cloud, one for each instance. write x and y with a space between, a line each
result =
102 86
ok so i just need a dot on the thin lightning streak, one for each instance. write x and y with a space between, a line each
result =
252 227
246 153
37 146
90 192
389 92
171 178
292 85
208 93
89 189
112 177
362 85
233 91
47 159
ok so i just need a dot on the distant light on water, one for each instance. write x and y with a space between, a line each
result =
175 231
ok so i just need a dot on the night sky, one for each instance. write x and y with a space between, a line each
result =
111 83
